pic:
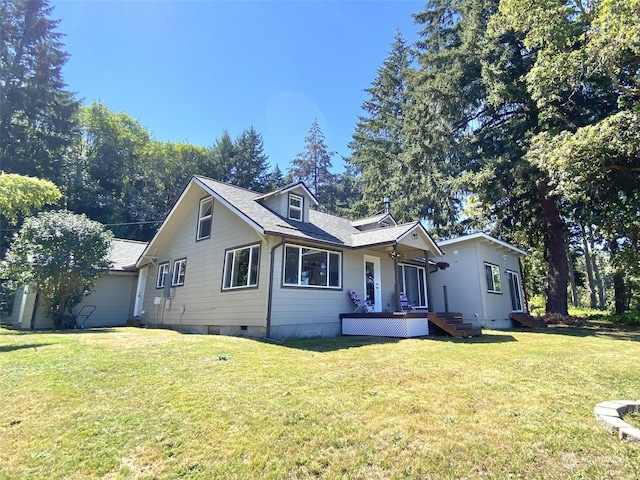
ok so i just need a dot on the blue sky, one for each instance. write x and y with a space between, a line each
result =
187 70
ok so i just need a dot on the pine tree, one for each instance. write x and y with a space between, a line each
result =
378 140
313 165
37 114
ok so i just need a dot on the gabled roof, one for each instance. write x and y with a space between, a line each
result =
483 237
124 254
379 218
321 227
288 188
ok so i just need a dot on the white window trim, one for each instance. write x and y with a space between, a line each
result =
404 286
179 270
492 288
164 269
299 209
253 250
302 285
519 290
204 218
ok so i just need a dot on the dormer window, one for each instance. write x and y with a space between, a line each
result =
296 204
205 218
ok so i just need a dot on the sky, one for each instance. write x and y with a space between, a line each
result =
188 70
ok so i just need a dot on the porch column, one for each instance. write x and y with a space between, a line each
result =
426 261
397 306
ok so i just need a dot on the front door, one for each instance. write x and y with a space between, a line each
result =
142 283
516 291
372 282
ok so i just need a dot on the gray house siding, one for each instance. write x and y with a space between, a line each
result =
466 283
113 297
312 312
200 304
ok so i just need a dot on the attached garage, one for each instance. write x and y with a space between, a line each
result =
113 295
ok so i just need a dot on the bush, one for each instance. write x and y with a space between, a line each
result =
62 255
631 317
567 320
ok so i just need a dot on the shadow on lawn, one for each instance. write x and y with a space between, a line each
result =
14 331
617 332
11 348
331 344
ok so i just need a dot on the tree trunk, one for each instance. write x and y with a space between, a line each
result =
602 299
572 280
588 264
619 293
558 273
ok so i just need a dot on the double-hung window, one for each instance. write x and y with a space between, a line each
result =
241 267
312 267
179 272
163 273
205 218
296 207
492 272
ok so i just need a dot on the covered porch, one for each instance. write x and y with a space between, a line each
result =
394 297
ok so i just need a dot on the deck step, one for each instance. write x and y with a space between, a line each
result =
526 320
453 324
472 332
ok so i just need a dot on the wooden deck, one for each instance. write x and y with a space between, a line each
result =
390 324
526 320
406 324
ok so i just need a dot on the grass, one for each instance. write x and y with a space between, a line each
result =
136 403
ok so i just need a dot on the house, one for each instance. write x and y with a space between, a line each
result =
483 280
232 261
112 296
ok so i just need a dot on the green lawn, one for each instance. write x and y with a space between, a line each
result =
136 403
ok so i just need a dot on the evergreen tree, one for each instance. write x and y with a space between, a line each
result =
468 128
250 165
275 180
222 157
312 166
378 140
37 114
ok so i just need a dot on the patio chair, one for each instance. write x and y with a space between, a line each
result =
361 306
404 303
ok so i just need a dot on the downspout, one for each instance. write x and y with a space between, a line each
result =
398 307
426 262
270 296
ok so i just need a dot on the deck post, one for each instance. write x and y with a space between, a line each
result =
428 274
446 299
397 306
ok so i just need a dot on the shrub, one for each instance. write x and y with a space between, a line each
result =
62 255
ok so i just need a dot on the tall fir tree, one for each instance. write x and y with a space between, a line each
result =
37 115
468 129
313 166
378 140
250 165
222 154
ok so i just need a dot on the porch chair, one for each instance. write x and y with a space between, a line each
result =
361 306
404 303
